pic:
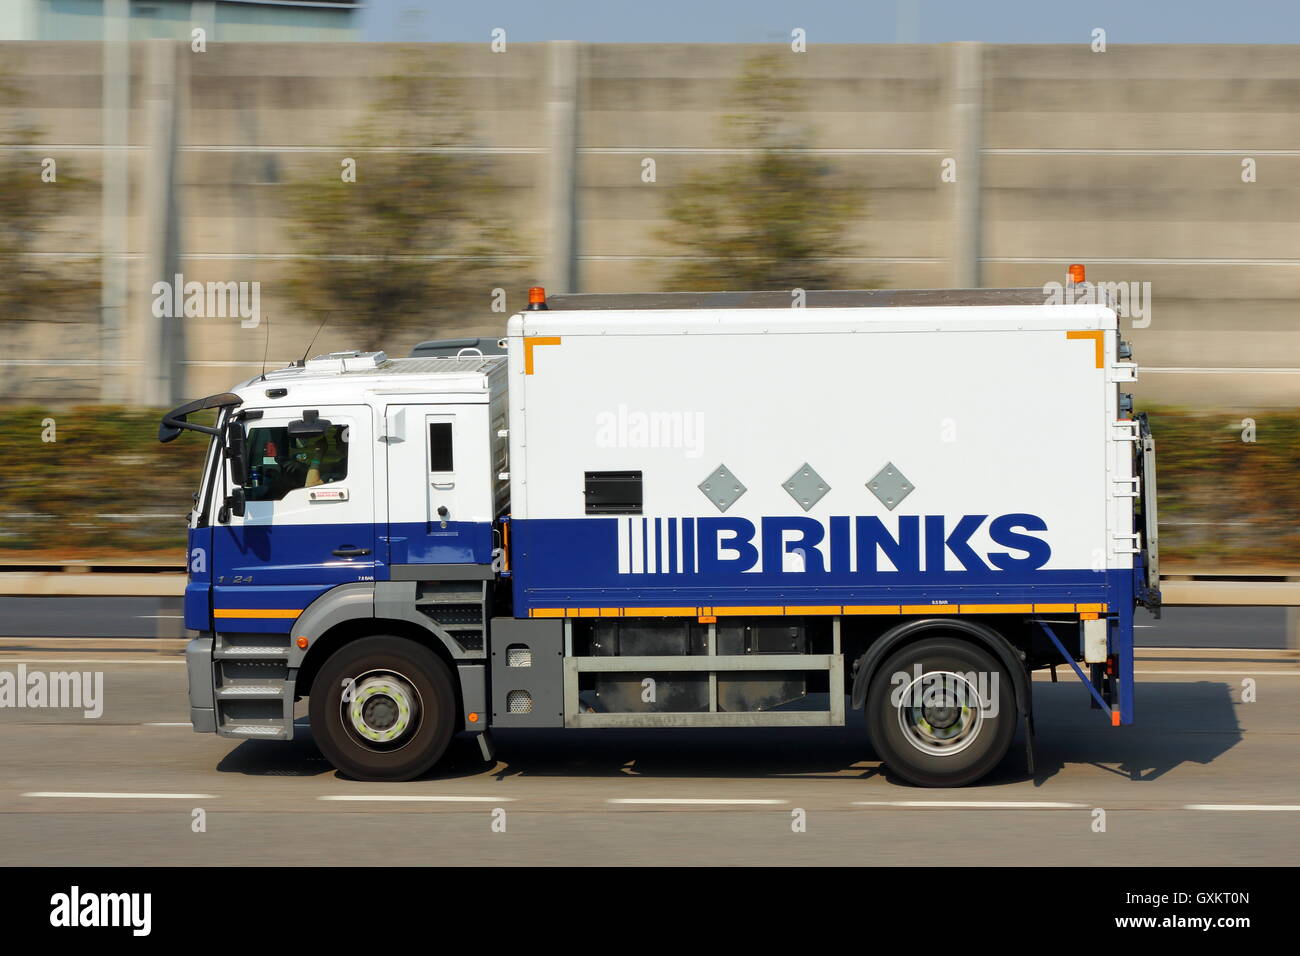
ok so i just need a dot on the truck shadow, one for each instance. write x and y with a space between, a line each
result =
274 758
1179 722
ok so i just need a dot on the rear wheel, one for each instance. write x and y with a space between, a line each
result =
383 708
941 712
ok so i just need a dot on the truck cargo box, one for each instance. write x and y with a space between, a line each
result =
839 459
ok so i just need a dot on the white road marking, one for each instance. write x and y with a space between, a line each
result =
120 796
973 804
183 723
80 660
414 798
693 801
1255 807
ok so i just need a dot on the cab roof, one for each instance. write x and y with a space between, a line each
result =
358 370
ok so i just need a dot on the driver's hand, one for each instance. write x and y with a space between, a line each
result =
311 451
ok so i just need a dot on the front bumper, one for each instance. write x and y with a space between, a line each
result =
198 668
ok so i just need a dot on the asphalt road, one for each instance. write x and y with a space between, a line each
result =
1261 627
1202 778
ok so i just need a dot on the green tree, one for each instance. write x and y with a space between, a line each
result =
407 204
32 194
775 217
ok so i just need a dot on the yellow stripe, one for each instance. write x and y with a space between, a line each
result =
254 612
772 611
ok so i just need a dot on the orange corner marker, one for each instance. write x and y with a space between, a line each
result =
1097 337
530 343
1114 718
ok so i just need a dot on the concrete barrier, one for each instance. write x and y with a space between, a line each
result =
60 584
1183 589
1133 161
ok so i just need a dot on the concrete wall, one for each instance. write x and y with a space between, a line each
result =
1129 161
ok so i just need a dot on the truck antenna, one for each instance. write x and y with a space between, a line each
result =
266 348
303 361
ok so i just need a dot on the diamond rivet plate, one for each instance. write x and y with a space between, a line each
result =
722 488
806 486
889 486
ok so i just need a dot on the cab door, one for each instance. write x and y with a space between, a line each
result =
309 521
439 489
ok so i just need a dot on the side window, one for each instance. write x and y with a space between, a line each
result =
440 447
278 464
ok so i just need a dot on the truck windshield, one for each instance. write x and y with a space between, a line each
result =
278 464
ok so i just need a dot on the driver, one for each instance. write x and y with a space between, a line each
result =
324 458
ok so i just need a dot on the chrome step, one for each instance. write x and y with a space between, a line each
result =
264 691
266 731
250 653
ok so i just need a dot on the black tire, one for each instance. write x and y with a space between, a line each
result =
401 688
907 731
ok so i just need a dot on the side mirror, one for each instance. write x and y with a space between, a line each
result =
235 504
311 425
235 454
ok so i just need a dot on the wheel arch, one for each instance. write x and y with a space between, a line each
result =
352 629
978 633
348 613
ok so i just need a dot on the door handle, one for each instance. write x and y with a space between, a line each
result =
443 485
347 551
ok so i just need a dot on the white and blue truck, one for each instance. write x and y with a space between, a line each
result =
676 511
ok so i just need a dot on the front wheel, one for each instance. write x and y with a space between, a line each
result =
383 708
941 712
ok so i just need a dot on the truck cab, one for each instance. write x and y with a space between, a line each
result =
335 490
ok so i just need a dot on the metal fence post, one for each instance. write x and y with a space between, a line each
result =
158 343
561 272
967 121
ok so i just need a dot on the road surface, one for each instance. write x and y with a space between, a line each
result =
1204 777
